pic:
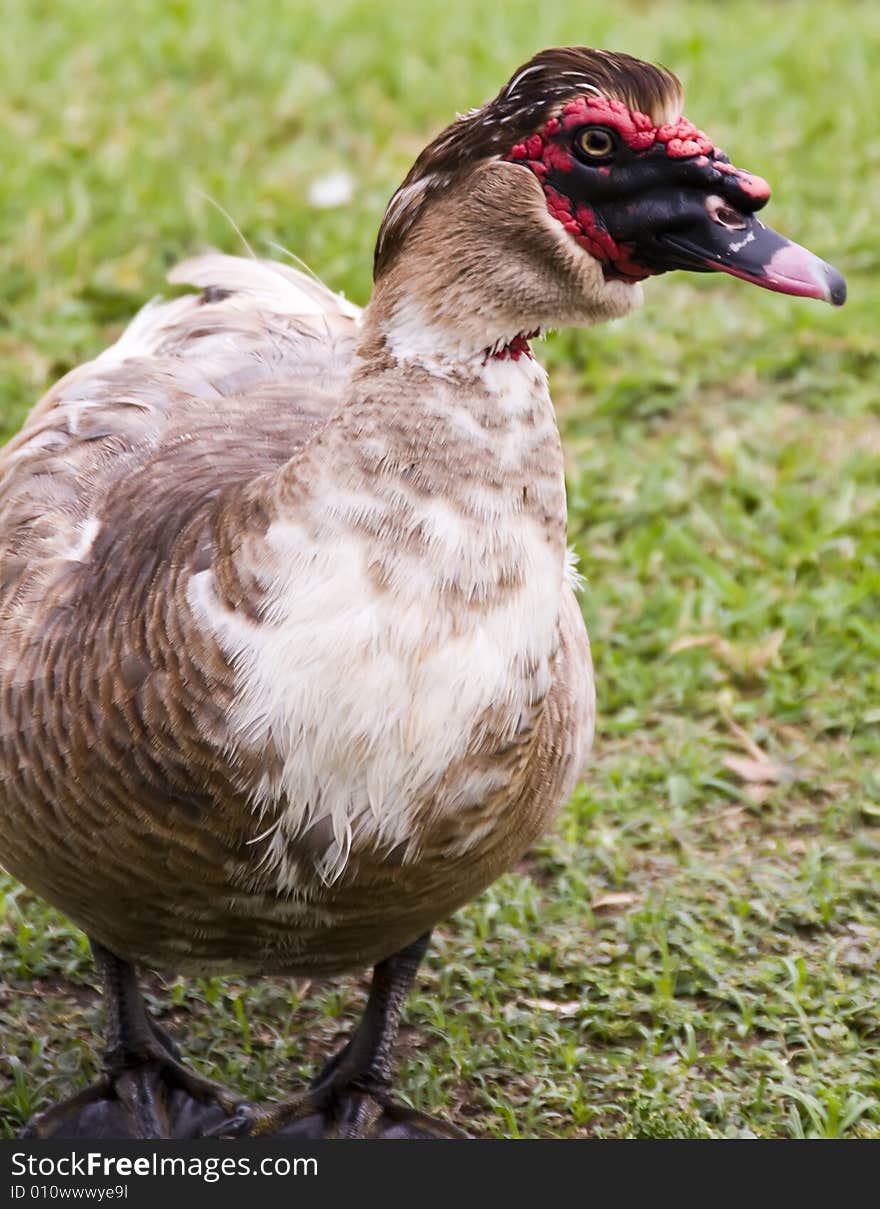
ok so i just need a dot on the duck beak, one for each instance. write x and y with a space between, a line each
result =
699 214
720 238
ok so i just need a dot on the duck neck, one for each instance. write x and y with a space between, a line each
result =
445 464
420 332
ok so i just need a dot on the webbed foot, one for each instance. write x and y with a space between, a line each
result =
334 1110
351 1097
145 1090
154 1097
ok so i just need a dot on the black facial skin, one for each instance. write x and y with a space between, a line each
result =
686 212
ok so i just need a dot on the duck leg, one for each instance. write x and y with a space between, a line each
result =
351 1097
145 1090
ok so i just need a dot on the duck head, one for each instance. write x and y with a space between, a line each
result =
550 204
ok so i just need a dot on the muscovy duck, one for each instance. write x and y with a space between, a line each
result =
291 665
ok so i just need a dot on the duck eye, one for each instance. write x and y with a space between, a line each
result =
595 142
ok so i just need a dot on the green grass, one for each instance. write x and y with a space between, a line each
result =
722 454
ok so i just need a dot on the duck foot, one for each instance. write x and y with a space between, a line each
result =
157 1098
145 1091
321 1114
351 1097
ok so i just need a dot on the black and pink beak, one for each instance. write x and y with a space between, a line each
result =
702 217
719 232
728 241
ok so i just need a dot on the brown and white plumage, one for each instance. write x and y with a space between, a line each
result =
291 666
170 499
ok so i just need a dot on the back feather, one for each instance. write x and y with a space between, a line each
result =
198 393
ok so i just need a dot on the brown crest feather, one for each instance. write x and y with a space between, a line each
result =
530 97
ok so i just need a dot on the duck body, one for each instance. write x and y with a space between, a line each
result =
291 666
313 674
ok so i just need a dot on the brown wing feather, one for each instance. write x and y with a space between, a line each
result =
111 715
199 393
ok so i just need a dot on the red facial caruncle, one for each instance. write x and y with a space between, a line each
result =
549 155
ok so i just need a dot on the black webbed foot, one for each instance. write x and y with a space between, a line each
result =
153 1098
336 1111
351 1097
145 1090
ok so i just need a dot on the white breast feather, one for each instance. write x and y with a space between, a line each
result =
369 696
